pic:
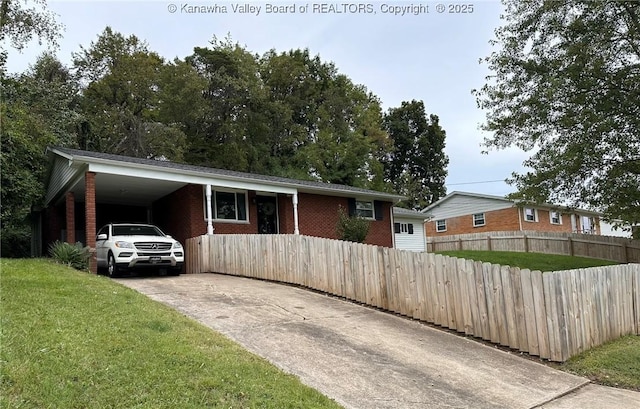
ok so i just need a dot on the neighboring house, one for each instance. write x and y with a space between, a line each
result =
89 189
408 229
462 213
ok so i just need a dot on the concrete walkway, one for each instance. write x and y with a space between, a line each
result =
364 358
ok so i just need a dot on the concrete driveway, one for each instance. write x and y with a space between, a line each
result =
365 358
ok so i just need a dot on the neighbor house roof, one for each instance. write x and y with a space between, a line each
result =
407 213
83 160
502 199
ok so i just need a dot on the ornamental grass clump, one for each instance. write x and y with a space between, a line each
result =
72 255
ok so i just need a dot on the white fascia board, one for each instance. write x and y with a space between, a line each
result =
185 177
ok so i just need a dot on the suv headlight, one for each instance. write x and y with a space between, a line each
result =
124 245
177 245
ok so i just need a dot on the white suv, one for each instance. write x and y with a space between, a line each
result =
122 247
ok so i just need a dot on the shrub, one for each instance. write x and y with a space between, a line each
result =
73 255
352 228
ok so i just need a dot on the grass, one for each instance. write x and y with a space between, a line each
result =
615 363
532 261
74 340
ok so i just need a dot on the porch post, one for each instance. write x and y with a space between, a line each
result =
209 217
90 218
71 218
296 230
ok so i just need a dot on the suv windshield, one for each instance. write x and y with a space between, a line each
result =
136 231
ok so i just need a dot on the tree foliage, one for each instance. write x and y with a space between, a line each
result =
21 21
39 108
121 99
416 166
566 86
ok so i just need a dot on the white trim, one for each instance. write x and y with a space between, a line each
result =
373 208
551 217
484 219
209 211
445 225
535 214
294 199
140 171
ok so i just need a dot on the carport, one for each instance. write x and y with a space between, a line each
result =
89 189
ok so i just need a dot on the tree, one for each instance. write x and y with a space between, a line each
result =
20 21
416 166
325 126
121 99
39 108
566 86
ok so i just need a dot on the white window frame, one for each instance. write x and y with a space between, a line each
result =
534 213
438 229
359 210
475 223
551 213
214 206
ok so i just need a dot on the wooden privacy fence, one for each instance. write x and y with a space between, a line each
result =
612 248
551 315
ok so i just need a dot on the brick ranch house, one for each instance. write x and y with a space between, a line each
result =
463 212
89 189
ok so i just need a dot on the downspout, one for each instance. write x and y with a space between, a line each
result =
393 232
294 199
519 216
209 212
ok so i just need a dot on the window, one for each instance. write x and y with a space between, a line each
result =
364 209
555 217
530 214
227 205
400 228
441 225
478 220
230 206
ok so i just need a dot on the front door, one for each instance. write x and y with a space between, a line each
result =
267 214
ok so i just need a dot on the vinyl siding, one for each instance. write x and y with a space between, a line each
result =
411 242
60 176
460 205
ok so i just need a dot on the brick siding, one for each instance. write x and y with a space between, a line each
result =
181 214
70 208
90 217
504 220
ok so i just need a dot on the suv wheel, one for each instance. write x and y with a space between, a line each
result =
112 267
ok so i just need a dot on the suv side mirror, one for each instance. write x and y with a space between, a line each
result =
102 236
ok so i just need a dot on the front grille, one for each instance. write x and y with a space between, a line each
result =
153 246
143 253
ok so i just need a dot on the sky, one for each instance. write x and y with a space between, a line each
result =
424 54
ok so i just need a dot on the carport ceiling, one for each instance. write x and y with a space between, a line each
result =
127 190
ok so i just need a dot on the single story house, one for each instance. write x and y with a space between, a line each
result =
408 228
463 212
86 190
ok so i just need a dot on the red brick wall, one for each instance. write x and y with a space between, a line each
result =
181 214
544 223
500 220
90 217
497 220
70 217
318 216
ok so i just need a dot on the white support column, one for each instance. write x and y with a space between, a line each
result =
209 212
296 230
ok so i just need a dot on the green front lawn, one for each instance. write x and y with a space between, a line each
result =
532 261
75 340
615 363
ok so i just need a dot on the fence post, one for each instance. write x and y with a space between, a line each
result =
489 243
570 246
625 255
460 244
526 243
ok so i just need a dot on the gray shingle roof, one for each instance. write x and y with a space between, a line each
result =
228 174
